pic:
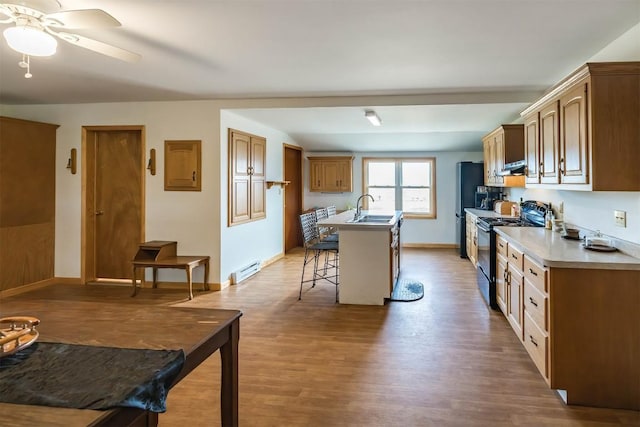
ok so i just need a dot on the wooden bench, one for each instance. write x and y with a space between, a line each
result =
163 254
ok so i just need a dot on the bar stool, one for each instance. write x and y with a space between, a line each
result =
313 248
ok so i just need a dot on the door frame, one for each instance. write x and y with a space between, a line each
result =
87 246
286 146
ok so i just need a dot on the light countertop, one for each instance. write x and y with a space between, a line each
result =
341 220
551 250
481 213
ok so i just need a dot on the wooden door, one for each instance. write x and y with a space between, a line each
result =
258 189
292 197
573 136
240 155
549 140
531 148
113 201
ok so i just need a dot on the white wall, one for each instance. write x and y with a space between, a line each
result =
190 218
262 239
440 230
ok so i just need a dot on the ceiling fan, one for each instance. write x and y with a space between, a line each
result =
36 29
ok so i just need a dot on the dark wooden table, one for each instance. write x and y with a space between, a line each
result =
199 332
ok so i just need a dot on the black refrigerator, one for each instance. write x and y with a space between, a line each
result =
469 176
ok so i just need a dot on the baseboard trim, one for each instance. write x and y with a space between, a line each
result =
430 245
26 288
271 260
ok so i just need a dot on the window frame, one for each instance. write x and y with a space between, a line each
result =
398 187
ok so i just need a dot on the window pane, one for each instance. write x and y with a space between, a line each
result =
382 173
385 199
416 174
416 200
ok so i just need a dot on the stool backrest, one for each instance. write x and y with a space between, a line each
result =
331 210
309 228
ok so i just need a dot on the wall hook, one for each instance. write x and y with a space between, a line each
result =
72 162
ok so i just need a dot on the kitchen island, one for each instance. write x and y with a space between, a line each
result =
369 255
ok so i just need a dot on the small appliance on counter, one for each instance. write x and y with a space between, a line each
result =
486 197
598 242
503 207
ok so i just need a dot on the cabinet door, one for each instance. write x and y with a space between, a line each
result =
488 161
239 193
331 176
258 154
549 135
501 283
315 175
344 175
531 148
498 161
514 307
573 136
182 165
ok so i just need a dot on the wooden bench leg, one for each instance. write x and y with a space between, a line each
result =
189 279
206 275
133 282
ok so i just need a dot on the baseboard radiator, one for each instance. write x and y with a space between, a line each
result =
245 272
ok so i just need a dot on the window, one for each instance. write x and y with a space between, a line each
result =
406 184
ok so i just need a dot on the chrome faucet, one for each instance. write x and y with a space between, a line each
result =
358 207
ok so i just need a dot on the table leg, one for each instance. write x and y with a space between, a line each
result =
190 280
229 390
206 275
133 282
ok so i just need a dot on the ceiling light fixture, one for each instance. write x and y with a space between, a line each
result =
373 117
30 40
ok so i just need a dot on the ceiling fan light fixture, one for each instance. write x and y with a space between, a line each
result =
30 41
373 117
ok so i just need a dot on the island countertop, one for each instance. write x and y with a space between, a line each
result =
344 220
551 250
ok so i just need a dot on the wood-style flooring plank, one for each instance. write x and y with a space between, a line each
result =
445 360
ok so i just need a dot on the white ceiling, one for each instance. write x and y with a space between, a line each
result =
505 50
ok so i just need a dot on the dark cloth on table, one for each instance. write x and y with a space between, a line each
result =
89 377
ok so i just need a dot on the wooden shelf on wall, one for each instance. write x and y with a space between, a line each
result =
279 183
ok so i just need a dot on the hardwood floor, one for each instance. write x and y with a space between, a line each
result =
445 360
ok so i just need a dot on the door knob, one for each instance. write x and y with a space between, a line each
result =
99 212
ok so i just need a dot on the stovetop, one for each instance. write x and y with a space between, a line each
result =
532 214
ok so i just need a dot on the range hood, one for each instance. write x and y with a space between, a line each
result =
513 168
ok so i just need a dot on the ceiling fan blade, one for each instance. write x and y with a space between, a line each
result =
96 46
86 18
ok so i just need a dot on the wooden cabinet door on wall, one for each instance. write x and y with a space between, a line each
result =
573 136
246 177
182 165
27 207
549 140
532 149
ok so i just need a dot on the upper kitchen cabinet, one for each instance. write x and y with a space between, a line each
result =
247 156
331 174
503 145
583 134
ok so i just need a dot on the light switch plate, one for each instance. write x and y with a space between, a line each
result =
620 218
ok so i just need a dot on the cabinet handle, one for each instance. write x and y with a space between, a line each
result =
541 166
514 256
560 163
533 302
501 245
504 275
533 341
193 176
532 272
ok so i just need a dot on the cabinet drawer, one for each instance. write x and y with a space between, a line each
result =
536 304
501 246
515 257
536 274
536 342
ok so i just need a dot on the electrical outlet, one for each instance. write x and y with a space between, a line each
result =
620 218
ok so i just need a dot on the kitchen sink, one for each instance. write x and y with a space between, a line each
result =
382 219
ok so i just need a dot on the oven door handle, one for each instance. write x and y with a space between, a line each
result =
483 227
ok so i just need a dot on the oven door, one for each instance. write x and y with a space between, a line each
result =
486 283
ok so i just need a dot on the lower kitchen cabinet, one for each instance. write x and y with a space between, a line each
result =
580 326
